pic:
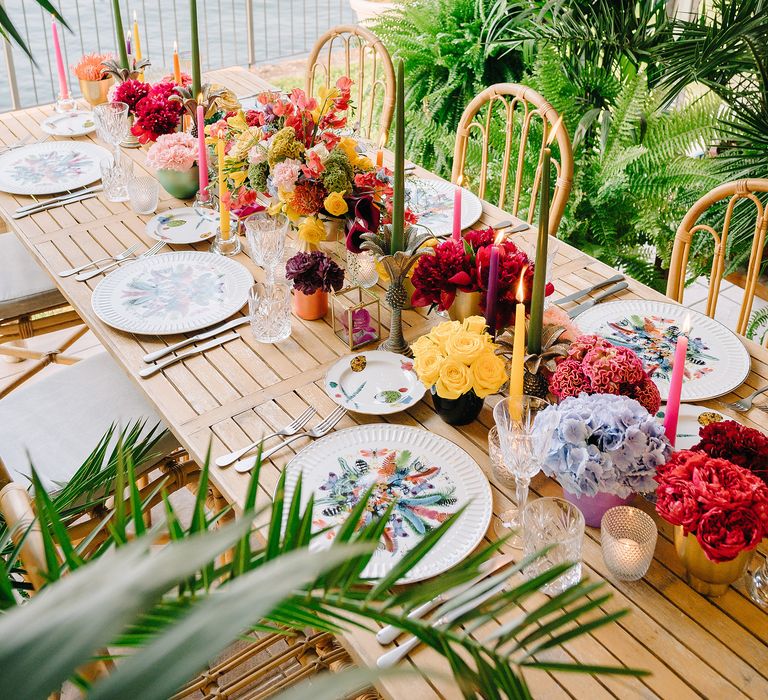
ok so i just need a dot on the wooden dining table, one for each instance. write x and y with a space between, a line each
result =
693 646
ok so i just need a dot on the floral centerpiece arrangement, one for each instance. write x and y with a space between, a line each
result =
174 157
313 275
595 366
745 447
604 449
457 361
720 514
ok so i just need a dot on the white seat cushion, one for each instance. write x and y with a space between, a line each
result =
24 286
55 422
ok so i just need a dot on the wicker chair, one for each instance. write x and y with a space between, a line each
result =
514 99
733 192
373 75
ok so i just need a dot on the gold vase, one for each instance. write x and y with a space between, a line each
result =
465 304
710 578
95 91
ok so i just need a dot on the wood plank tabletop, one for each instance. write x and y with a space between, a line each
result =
694 646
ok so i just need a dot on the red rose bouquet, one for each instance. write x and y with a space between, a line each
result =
595 366
737 443
723 505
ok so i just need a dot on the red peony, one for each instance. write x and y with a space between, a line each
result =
155 116
439 276
737 443
131 92
723 505
595 366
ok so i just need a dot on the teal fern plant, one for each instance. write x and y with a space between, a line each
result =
757 328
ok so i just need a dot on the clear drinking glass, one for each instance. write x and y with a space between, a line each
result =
270 308
628 539
554 523
524 436
112 124
266 240
144 193
115 176
757 584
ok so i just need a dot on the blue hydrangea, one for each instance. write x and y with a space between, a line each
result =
604 443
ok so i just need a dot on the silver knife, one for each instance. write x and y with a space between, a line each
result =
239 321
149 371
390 658
53 205
59 198
589 290
581 308
388 634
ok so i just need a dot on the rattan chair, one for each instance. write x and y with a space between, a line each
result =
733 192
365 60
515 100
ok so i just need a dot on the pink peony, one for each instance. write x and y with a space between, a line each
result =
177 151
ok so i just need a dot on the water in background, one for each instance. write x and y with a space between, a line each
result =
282 28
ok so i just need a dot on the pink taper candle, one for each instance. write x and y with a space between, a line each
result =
672 410
63 87
202 156
457 210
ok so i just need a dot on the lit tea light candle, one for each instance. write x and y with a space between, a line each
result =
628 540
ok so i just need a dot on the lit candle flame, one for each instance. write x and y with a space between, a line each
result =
460 180
175 47
521 285
686 329
134 16
500 236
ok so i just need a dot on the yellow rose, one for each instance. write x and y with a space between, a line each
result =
474 324
312 230
440 333
427 365
454 379
464 347
489 374
424 343
364 163
335 205
348 145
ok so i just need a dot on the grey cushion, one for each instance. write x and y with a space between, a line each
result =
60 418
24 285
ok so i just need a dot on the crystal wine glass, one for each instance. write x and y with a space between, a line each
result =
524 437
112 124
266 240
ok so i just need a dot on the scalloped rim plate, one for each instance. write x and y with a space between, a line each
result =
320 461
440 219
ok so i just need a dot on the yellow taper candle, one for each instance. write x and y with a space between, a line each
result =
223 208
136 38
517 371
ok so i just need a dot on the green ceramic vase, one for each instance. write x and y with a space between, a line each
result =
182 185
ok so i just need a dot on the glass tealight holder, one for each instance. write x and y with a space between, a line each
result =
226 244
757 584
628 540
357 309
361 269
204 203
144 193
65 104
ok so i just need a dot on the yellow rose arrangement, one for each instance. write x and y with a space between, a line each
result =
457 358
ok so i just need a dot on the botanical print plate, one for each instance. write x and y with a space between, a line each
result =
427 478
183 225
432 202
172 293
53 166
690 420
375 383
716 363
75 123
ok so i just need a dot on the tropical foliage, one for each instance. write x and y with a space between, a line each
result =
9 32
119 589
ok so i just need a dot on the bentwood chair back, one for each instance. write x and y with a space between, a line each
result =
511 125
367 62
729 194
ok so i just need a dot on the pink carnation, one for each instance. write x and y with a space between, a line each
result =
176 151
286 173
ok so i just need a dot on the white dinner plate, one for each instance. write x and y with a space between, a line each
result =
49 167
183 225
172 293
432 202
689 421
375 383
427 476
75 123
717 361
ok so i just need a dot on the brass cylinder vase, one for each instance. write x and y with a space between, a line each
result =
465 304
710 578
95 91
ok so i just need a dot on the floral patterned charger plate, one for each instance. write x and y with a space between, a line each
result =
717 361
52 166
75 123
375 383
426 476
690 420
172 293
183 225
432 202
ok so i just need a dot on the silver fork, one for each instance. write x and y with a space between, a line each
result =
746 403
83 276
120 256
291 429
319 430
